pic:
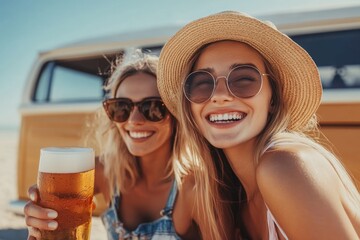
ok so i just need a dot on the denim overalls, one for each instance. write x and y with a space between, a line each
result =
160 229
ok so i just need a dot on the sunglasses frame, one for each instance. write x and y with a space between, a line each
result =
132 105
226 80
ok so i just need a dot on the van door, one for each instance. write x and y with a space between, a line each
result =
65 93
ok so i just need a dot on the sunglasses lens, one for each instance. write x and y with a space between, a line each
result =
118 111
198 86
244 82
153 110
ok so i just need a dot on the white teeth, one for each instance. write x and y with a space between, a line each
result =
139 134
226 117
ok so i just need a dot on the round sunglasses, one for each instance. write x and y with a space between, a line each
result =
243 81
119 109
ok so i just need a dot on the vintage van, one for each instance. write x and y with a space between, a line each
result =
65 86
63 89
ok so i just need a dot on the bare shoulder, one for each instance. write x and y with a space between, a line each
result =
294 164
301 189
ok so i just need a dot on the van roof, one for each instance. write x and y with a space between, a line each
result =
316 20
291 22
142 37
131 35
314 15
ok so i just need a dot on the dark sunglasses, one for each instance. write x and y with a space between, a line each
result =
243 81
119 109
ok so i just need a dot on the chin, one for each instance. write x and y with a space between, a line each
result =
223 143
138 152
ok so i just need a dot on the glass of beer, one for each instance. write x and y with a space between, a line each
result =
66 184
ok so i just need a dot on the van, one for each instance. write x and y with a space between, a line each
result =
65 86
63 89
332 38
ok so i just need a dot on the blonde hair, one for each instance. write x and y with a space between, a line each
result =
120 166
194 156
197 155
214 179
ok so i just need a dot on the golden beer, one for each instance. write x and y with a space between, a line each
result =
66 184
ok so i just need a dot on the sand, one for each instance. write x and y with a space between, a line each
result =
12 226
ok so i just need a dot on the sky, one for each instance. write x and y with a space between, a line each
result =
28 27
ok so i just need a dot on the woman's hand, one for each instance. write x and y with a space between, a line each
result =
36 217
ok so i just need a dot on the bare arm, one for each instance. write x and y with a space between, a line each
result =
190 221
302 191
184 218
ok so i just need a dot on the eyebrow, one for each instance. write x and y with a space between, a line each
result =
232 66
242 64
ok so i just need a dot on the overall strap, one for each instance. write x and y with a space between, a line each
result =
115 199
167 210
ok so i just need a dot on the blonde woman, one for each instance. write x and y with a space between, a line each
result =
135 134
243 89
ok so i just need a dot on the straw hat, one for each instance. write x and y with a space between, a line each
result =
295 69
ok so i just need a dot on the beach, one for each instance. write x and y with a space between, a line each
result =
12 226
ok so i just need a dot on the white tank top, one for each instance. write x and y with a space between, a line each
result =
272 224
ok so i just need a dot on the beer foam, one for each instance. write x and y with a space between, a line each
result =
66 160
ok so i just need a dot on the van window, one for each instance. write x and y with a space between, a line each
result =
43 84
74 80
152 50
337 55
71 85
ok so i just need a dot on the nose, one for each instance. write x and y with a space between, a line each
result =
221 92
136 116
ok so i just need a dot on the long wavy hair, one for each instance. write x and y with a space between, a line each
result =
199 156
217 189
120 166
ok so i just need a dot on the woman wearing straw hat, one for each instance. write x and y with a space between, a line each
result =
135 134
247 92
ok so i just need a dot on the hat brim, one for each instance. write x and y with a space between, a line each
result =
297 72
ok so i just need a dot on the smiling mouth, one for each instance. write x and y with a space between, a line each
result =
140 135
226 117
